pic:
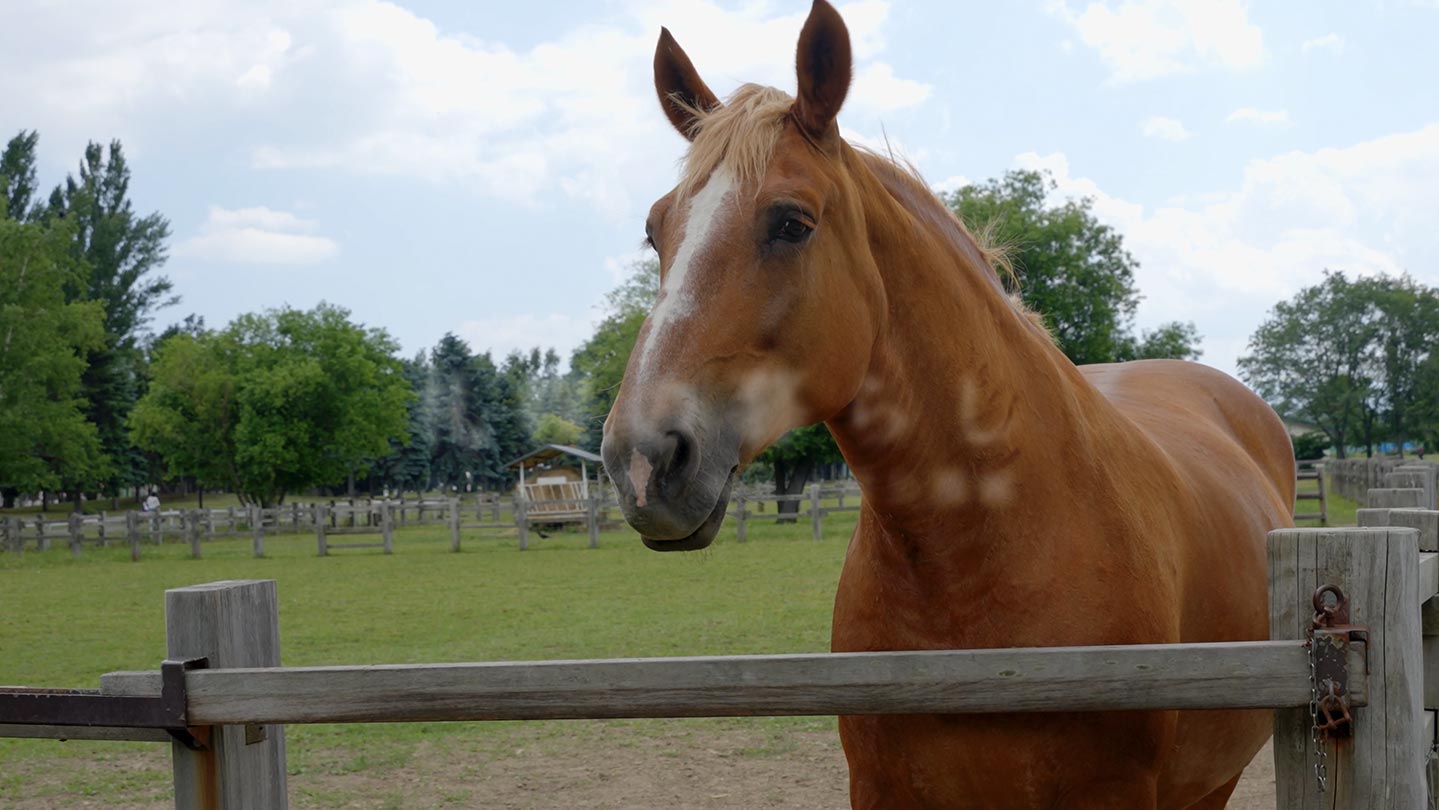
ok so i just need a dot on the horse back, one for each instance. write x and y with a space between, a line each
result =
1230 453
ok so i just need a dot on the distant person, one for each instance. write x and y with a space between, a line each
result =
152 503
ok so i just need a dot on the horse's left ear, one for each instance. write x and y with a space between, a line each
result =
824 67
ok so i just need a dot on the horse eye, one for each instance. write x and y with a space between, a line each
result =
793 229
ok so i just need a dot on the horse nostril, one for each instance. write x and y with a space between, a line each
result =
681 458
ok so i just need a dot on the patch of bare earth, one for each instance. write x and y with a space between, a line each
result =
618 768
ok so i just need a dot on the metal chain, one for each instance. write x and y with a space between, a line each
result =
1321 765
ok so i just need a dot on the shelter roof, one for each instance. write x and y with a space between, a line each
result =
549 452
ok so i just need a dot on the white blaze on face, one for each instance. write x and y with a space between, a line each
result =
707 212
640 470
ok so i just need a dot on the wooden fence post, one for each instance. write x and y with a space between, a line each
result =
815 513
257 529
387 526
77 531
132 534
100 531
43 539
191 520
454 517
522 522
233 624
739 525
592 518
318 510
1382 764
156 534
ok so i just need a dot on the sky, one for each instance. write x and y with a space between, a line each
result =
484 168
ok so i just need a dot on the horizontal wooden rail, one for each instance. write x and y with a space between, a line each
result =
1255 675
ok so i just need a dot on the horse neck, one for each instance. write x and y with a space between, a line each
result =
966 401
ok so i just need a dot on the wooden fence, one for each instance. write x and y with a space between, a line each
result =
1311 471
235 708
336 524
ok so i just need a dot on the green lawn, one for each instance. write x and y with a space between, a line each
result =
67 621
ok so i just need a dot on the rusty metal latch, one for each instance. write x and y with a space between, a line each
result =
1331 636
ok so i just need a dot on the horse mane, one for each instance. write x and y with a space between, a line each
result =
741 135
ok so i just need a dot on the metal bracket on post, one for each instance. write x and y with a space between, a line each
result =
66 714
173 700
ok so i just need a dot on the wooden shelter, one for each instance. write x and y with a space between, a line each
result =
553 490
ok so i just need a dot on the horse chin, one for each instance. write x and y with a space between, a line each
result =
705 534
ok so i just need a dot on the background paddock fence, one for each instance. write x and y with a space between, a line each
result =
1311 471
370 523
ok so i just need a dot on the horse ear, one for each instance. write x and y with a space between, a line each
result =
824 67
679 86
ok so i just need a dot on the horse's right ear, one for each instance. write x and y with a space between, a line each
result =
680 88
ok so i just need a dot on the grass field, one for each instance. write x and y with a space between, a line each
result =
67 621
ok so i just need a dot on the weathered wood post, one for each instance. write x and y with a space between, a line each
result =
592 519
234 522
191 519
1382 763
209 516
42 538
815 513
739 526
294 516
132 534
454 519
100 530
76 526
232 624
402 510
156 536
319 512
257 529
387 526
522 522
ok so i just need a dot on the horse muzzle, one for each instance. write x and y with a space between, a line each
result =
672 490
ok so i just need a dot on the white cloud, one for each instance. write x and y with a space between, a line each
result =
374 87
877 88
1222 260
502 334
1328 42
1268 118
1167 129
1147 40
257 235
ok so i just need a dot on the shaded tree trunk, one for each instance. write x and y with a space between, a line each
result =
790 479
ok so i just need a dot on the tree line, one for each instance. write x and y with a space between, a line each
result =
1353 357
94 403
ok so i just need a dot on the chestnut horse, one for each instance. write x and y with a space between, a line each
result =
1010 498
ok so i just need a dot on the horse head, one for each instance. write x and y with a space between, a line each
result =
769 301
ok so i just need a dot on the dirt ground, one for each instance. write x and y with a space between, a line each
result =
708 768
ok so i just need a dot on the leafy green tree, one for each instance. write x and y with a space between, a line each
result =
1407 328
1174 340
796 457
278 402
1072 269
555 429
122 251
17 177
44 437
1316 358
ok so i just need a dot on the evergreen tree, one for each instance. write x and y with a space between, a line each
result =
122 252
